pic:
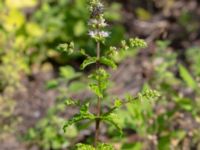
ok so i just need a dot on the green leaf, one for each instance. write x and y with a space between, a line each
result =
187 77
79 28
76 86
108 62
95 89
13 20
88 61
65 47
103 146
83 115
68 72
143 14
77 118
82 51
81 146
113 119
185 103
52 84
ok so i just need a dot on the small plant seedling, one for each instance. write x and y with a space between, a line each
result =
100 77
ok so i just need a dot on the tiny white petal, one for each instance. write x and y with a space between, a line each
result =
103 33
93 33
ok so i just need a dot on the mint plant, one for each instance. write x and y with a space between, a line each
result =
99 78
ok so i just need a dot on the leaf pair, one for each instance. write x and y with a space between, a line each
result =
83 115
103 60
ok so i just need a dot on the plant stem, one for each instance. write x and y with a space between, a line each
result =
98 107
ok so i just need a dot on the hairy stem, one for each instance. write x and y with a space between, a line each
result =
98 107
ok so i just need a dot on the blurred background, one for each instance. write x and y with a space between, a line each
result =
35 79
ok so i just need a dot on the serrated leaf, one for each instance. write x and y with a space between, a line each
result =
83 115
108 62
113 119
95 89
77 118
88 61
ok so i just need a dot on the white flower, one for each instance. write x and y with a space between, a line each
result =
103 34
93 33
98 34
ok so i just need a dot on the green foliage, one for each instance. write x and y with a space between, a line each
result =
100 146
48 134
84 147
165 80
